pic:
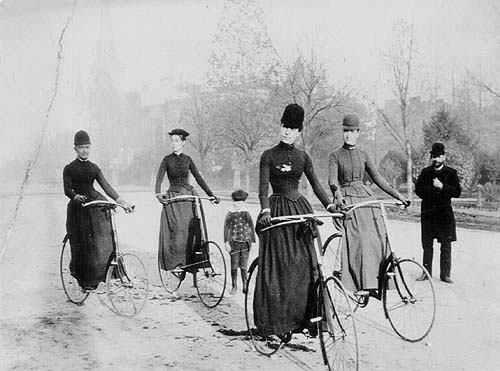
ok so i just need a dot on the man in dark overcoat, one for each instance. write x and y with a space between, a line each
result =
436 185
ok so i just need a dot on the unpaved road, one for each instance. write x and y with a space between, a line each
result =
40 330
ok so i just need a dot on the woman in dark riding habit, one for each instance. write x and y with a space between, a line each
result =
89 228
285 281
180 231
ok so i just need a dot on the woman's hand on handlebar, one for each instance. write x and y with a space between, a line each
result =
214 199
126 206
405 202
80 199
265 218
161 198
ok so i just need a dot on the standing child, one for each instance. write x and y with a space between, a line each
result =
238 238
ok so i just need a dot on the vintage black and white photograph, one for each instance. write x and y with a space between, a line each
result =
249 185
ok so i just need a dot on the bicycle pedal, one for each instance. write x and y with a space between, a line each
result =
361 293
315 319
197 252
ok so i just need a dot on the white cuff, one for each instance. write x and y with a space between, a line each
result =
266 210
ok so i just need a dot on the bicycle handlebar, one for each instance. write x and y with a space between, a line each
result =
352 207
280 221
187 197
110 204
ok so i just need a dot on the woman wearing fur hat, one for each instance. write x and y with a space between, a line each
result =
284 289
89 229
362 252
180 231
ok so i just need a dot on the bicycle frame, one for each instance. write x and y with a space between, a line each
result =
391 259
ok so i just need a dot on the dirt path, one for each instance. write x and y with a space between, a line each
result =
40 330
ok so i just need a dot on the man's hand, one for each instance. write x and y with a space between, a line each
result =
80 199
228 247
436 183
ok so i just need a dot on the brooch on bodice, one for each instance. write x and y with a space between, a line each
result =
284 168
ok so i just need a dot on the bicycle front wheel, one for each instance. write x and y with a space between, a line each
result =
409 304
263 344
70 285
211 275
337 329
127 285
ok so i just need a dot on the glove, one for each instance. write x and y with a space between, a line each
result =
215 199
265 219
80 199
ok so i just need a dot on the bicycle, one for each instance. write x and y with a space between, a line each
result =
127 284
409 304
334 321
210 265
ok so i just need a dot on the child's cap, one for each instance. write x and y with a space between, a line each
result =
239 195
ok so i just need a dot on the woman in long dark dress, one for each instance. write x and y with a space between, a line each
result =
180 230
286 274
364 247
89 228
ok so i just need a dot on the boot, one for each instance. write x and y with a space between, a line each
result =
234 281
445 262
244 280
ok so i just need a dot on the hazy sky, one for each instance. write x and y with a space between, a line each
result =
154 42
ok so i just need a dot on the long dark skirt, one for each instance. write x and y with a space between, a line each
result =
364 248
180 233
92 243
284 292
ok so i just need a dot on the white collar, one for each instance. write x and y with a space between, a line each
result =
79 159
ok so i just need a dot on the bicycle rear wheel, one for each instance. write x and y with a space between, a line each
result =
211 275
409 305
171 279
264 344
127 285
337 329
70 285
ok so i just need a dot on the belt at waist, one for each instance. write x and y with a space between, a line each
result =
352 183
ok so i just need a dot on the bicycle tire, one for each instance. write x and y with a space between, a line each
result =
70 285
171 279
332 255
211 278
409 305
127 285
263 344
337 329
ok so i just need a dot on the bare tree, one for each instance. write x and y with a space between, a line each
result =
306 83
198 112
401 60
245 117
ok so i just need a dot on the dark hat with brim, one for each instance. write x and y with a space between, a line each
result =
293 116
239 195
437 149
350 122
183 133
81 138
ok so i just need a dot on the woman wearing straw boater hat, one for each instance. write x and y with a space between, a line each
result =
284 288
363 247
180 231
89 228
